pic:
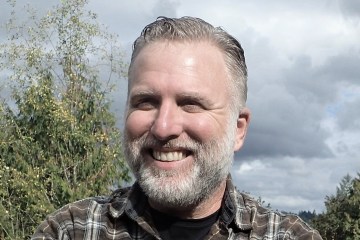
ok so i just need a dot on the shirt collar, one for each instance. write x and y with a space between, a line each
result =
237 207
130 200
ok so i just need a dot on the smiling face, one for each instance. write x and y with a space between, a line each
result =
180 134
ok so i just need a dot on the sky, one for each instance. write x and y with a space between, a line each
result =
304 87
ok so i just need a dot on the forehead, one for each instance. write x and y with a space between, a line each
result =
199 57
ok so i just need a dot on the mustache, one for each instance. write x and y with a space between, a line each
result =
148 141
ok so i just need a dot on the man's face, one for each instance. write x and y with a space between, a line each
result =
179 133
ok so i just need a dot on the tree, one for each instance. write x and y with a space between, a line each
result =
58 140
341 219
307 216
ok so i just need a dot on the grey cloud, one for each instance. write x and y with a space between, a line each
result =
287 104
350 7
322 85
283 122
118 99
287 183
287 113
128 18
349 116
20 9
342 68
272 135
165 8
310 84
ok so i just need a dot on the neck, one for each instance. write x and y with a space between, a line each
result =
205 208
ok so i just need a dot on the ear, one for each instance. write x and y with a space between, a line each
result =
241 128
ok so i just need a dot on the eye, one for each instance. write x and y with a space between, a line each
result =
144 104
191 106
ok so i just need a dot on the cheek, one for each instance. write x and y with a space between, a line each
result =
203 129
137 124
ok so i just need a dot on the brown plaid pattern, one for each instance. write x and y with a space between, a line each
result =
125 215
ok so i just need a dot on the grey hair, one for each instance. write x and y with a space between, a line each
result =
195 29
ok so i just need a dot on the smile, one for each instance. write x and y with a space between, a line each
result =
169 156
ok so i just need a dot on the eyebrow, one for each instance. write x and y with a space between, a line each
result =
145 93
193 96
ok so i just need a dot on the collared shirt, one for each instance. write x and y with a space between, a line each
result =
126 215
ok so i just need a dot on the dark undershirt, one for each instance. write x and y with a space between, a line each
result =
173 228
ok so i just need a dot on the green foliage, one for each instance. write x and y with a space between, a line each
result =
58 140
307 216
341 220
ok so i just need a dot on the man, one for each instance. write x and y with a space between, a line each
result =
185 117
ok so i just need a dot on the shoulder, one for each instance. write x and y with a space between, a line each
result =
92 205
80 209
75 216
265 222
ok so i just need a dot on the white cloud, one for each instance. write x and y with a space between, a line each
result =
304 88
250 166
277 181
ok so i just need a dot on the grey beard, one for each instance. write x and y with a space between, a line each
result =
212 163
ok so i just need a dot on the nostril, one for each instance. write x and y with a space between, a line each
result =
165 137
166 131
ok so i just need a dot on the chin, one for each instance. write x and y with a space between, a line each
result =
172 188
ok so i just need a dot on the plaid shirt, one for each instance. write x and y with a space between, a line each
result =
126 215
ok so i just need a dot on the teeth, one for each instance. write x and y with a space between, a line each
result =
169 156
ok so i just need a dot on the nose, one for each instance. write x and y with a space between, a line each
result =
167 123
